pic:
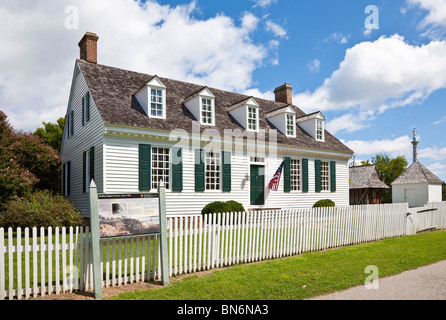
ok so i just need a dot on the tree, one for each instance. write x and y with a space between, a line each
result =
388 170
52 133
26 163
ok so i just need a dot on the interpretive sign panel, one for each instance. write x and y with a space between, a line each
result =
128 214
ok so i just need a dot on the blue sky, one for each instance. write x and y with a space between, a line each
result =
373 86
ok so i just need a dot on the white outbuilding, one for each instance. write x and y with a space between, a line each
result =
417 185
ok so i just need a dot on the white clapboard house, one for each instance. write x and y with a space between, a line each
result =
128 130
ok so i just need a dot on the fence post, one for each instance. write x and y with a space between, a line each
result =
94 226
163 235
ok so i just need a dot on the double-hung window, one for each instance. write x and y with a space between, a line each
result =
290 124
206 111
160 167
156 103
319 130
252 118
295 174
213 170
325 175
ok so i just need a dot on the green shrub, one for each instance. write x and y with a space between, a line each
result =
40 209
234 206
324 203
220 206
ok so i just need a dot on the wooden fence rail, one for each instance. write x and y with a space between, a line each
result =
49 261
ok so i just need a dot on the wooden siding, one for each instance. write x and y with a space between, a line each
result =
121 176
85 137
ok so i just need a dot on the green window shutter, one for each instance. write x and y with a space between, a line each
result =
91 166
87 105
333 176
72 123
226 171
304 175
64 170
67 125
287 175
177 169
145 158
199 171
68 178
317 173
83 111
84 171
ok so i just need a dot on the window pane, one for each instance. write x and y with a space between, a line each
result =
212 170
160 166
325 173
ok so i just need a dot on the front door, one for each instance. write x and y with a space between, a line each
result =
257 180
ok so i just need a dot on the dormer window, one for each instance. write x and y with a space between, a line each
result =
253 118
290 125
284 119
152 98
246 112
202 106
313 124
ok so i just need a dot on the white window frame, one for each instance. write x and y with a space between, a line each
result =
158 103
325 176
154 175
296 174
291 125
212 171
319 130
211 111
248 118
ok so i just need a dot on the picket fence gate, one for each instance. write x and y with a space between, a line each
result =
58 260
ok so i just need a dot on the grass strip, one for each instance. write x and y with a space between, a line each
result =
308 275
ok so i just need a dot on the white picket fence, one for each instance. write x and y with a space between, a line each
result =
431 216
59 260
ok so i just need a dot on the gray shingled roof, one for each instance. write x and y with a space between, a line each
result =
113 91
365 177
417 173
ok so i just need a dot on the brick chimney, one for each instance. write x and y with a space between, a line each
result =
89 47
284 94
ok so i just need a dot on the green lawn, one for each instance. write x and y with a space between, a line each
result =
308 275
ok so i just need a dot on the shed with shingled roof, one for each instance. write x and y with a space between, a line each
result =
365 185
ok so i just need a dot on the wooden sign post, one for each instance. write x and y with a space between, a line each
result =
96 236
163 234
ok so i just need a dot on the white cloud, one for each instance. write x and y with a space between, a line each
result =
338 37
268 95
350 122
375 76
38 52
441 120
392 147
437 168
314 66
432 153
436 11
435 21
264 3
277 30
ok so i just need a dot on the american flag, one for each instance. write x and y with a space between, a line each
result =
274 183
